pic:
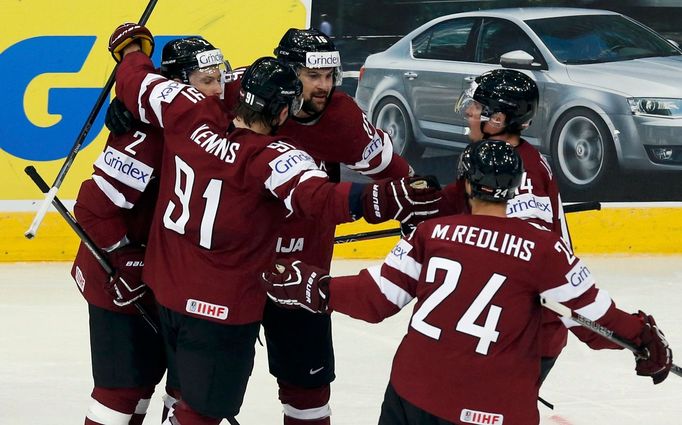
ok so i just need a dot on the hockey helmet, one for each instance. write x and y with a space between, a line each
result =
310 48
182 56
493 168
502 90
268 86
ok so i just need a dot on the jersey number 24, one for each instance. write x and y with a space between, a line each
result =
486 334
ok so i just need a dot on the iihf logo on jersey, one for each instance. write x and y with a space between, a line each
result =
203 308
481 418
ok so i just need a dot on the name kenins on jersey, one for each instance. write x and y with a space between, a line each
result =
493 240
212 143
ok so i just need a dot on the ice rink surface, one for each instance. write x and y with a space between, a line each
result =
45 366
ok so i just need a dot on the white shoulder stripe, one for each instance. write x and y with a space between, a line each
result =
394 293
116 197
399 259
305 176
161 93
593 311
363 165
578 280
150 78
287 166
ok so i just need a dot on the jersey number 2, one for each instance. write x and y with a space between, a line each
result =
486 334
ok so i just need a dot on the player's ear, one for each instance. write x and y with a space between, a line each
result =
283 115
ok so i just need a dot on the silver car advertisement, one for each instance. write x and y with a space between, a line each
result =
609 118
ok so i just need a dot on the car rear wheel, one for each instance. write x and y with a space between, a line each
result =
392 117
582 150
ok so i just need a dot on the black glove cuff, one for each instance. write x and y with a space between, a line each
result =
355 200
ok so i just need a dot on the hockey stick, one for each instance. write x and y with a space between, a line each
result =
71 157
89 243
582 206
595 327
376 234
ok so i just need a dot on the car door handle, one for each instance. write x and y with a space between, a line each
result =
470 78
411 75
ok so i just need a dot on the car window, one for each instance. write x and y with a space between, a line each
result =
599 38
447 40
499 36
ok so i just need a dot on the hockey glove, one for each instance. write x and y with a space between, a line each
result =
118 119
657 365
126 286
293 284
408 200
128 33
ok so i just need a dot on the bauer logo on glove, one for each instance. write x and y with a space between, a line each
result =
410 199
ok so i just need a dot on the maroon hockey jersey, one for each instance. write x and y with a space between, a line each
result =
117 201
222 198
342 134
471 354
537 200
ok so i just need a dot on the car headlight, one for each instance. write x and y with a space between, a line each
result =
671 108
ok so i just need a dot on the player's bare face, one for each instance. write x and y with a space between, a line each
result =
472 113
492 125
207 81
317 85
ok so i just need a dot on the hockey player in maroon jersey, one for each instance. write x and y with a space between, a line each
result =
500 104
471 353
333 130
222 199
115 207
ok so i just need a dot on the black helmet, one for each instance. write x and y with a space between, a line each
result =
310 48
182 56
268 86
504 90
493 168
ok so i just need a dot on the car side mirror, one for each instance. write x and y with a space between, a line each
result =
520 60
674 43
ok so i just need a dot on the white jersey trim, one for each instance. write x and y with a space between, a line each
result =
101 414
593 311
578 280
124 168
307 414
161 93
305 176
386 149
393 293
148 80
116 197
527 206
399 259
287 166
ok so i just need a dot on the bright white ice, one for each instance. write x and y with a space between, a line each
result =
45 360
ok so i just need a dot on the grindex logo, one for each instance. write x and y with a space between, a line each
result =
124 168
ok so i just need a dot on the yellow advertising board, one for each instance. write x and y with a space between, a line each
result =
54 63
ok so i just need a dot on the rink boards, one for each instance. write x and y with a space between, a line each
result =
635 228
